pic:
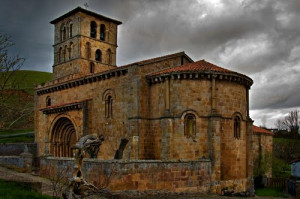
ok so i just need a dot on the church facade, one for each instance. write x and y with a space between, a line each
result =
169 108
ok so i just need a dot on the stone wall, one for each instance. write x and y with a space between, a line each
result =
15 149
164 176
262 154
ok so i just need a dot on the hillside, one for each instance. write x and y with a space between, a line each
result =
17 111
27 80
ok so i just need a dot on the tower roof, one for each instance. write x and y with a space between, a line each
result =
79 9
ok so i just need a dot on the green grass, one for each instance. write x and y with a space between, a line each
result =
28 80
285 141
7 132
13 190
270 192
19 139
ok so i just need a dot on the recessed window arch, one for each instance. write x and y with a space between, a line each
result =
48 101
71 50
71 30
98 55
62 32
88 50
237 127
190 126
92 67
102 32
93 29
65 53
109 106
109 56
60 55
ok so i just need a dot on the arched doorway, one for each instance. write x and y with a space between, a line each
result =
63 137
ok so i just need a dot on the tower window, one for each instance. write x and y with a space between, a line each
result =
92 67
102 32
88 50
71 50
237 127
93 29
65 53
108 107
60 55
190 126
71 30
64 33
109 57
98 55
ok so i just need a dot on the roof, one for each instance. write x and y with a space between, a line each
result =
79 9
201 65
260 130
158 59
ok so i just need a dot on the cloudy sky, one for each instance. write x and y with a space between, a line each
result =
258 38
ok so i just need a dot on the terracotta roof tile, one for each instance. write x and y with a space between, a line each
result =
201 65
260 130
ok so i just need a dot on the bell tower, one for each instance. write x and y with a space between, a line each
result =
84 43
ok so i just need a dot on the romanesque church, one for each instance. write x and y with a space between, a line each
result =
169 108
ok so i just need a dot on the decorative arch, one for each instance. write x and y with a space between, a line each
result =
88 50
65 52
71 50
236 119
62 137
60 55
62 28
102 32
92 67
109 56
93 29
109 97
189 118
70 28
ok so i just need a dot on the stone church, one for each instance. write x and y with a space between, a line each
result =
169 108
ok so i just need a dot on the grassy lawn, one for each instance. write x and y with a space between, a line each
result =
18 139
13 190
7 132
270 192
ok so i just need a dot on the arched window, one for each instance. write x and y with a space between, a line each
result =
108 107
88 50
48 101
60 55
98 55
109 57
71 30
190 126
64 33
65 53
71 50
102 32
93 29
92 67
237 127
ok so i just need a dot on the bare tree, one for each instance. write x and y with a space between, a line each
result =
290 123
9 65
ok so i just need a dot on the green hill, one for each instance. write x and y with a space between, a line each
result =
27 80
18 106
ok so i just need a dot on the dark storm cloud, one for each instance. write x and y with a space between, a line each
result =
257 38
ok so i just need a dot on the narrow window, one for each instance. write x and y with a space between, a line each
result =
48 101
65 53
71 50
102 32
190 126
92 67
93 29
237 127
98 55
71 30
109 57
64 33
60 55
88 50
108 107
